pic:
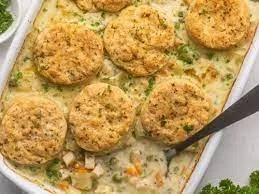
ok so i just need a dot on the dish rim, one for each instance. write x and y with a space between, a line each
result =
209 149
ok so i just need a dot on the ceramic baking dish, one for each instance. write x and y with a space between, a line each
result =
6 68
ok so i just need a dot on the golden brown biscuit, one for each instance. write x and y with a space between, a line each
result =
101 118
138 39
175 110
33 131
106 5
84 5
188 2
218 24
68 53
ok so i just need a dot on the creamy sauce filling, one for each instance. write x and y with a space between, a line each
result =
215 71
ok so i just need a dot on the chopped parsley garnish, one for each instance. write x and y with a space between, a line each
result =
163 121
136 2
112 163
210 55
52 171
227 60
96 24
6 18
14 80
108 106
227 77
34 169
254 179
60 88
109 89
26 58
204 12
228 187
151 83
81 19
188 128
176 169
117 177
45 87
124 88
150 157
177 26
36 124
180 14
4 4
187 54
103 14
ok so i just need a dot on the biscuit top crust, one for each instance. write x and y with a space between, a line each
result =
218 24
68 53
138 39
101 117
105 5
175 110
33 131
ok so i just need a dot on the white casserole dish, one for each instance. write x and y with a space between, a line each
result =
6 68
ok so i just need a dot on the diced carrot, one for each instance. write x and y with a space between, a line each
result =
159 179
132 171
138 167
80 168
63 185
135 170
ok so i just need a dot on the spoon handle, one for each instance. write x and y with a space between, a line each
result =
246 106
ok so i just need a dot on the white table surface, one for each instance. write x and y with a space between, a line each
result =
235 158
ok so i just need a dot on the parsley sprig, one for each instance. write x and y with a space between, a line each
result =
228 187
6 18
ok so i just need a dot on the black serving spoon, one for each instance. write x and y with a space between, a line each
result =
246 106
